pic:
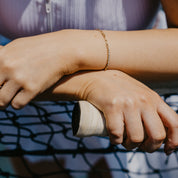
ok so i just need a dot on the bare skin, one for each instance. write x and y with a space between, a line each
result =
129 104
45 59
28 72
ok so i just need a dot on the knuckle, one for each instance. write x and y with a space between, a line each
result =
129 103
6 65
19 78
116 137
155 96
25 84
112 105
3 104
31 87
149 95
144 99
116 133
17 104
116 103
158 137
137 139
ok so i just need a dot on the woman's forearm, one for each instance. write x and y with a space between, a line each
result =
142 54
127 105
68 88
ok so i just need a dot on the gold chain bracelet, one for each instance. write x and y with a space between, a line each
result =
107 48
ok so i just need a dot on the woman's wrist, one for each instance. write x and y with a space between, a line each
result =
86 49
127 52
70 87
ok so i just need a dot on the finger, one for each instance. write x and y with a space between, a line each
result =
7 92
134 129
115 127
1 85
2 80
155 131
22 98
170 120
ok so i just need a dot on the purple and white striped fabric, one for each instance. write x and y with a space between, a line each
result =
20 18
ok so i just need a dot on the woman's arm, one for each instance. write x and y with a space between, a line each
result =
28 66
145 54
128 106
113 91
170 8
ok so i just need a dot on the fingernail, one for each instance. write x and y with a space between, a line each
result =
168 152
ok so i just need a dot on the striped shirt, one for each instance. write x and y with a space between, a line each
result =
19 18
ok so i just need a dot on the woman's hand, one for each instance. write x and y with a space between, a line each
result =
129 105
135 115
28 66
